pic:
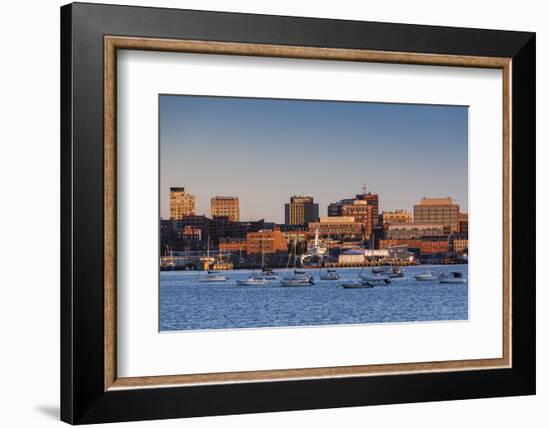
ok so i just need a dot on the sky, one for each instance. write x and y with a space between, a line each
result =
266 150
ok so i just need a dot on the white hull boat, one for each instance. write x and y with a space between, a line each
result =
213 277
375 279
252 281
426 276
329 275
265 274
297 281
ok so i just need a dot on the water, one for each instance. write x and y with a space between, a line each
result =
186 304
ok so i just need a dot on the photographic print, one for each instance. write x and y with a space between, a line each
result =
299 213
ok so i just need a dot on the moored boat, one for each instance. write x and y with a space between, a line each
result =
375 279
357 284
452 278
426 276
329 275
251 281
213 276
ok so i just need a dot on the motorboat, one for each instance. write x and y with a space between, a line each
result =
297 281
389 271
266 274
426 276
329 275
357 284
452 278
252 281
213 276
375 279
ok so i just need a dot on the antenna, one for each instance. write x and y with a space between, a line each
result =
364 189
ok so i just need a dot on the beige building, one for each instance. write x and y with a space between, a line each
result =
438 210
181 203
460 245
397 216
225 206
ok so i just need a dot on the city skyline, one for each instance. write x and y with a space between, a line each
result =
264 151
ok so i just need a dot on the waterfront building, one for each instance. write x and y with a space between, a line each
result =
397 216
415 230
437 210
338 228
424 246
463 223
373 201
232 245
199 224
361 211
460 246
181 203
222 227
265 242
336 209
225 206
301 210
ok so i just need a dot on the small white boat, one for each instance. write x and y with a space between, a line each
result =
389 271
298 279
213 276
426 276
452 278
329 275
252 281
374 279
357 284
265 274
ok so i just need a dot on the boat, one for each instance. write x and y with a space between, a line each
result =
358 284
297 278
266 274
213 276
452 278
389 271
375 279
329 275
297 281
426 276
252 281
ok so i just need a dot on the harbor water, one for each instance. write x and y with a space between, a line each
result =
187 304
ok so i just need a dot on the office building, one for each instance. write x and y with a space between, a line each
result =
225 206
438 210
301 210
181 203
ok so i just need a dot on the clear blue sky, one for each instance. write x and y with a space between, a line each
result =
265 150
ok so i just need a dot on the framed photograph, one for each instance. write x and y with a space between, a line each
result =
267 213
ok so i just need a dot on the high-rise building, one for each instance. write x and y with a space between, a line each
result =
301 210
397 216
225 206
438 210
181 203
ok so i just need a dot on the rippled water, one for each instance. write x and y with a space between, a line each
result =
186 304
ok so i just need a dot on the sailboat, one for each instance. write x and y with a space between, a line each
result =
211 275
265 273
329 274
297 278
